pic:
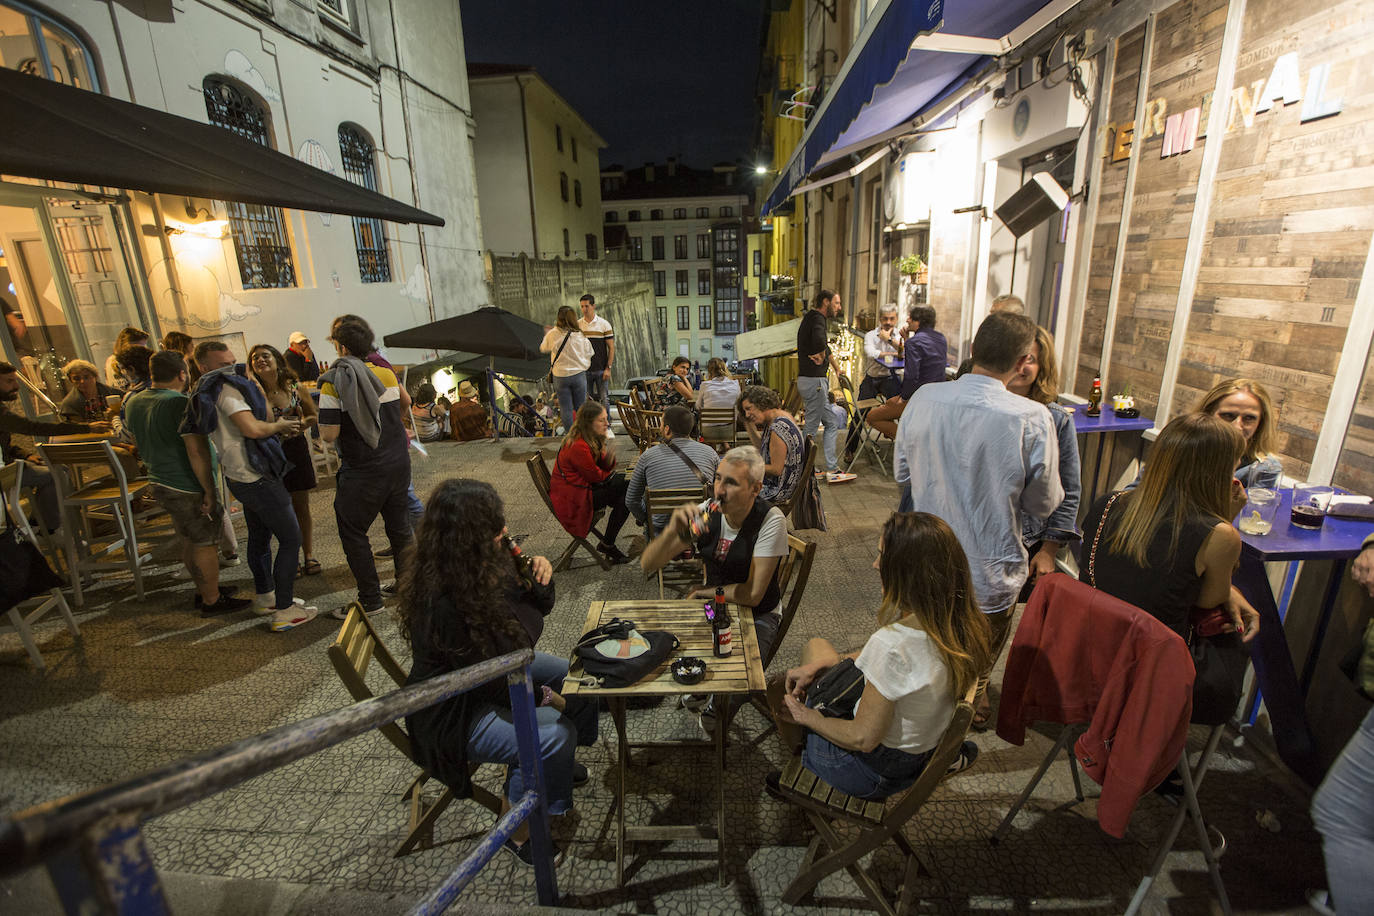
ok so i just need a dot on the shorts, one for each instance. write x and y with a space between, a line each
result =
187 520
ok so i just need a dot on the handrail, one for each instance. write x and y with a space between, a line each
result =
105 821
494 379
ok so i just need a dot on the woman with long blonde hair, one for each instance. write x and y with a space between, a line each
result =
584 479
931 644
1168 545
1246 405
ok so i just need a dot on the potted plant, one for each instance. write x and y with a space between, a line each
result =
912 266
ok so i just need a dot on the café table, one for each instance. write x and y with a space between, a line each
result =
736 675
1108 428
1283 688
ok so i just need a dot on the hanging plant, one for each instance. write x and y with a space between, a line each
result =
910 265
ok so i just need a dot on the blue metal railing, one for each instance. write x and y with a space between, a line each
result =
92 844
494 379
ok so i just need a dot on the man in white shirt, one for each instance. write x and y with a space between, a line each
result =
882 347
601 335
981 458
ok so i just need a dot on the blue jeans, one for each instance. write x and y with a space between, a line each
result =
572 391
598 388
879 773
268 514
815 394
414 506
491 736
1343 811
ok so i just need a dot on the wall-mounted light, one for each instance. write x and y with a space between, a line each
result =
208 229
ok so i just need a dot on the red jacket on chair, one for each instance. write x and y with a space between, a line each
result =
1083 656
574 473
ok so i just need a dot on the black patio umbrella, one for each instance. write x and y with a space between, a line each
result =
489 331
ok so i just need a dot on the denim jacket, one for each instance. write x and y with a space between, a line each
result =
202 417
1062 524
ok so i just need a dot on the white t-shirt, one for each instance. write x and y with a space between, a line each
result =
576 356
906 668
772 539
718 392
233 456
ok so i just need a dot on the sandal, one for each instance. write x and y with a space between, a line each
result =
311 568
982 713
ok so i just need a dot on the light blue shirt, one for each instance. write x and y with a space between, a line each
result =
981 458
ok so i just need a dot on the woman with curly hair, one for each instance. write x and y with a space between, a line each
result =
279 383
931 644
779 440
464 599
584 479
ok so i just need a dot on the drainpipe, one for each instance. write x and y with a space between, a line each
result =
854 226
529 170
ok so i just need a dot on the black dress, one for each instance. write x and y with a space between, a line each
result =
439 733
1168 586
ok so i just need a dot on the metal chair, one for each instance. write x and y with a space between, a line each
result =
877 823
869 438
352 651
21 619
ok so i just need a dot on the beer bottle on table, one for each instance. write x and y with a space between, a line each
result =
1095 398
721 630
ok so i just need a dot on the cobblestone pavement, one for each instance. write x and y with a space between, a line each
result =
151 682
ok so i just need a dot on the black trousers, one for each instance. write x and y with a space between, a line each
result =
610 494
359 497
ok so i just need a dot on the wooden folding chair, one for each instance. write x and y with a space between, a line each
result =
718 427
539 473
792 401
22 619
808 468
680 575
877 823
353 649
322 454
629 419
108 500
650 427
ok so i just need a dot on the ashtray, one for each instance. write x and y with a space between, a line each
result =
1127 413
689 670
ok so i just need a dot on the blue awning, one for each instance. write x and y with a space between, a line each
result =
889 82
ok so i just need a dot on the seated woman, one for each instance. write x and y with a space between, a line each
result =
463 599
777 437
86 400
673 388
931 644
718 389
584 479
1168 545
1245 404
428 418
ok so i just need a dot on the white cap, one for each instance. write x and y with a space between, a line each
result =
297 337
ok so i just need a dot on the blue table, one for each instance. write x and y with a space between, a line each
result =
1284 691
1106 426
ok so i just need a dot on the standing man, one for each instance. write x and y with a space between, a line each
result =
184 488
229 408
602 337
814 360
301 358
982 458
360 409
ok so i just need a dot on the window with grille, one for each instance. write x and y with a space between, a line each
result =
662 311
704 317
683 286
684 318
728 315
703 245
261 244
39 45
359 160
660 283
657 247
703 282
336 9
591 247
636 248
680 247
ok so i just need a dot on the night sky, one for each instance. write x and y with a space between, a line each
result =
653 79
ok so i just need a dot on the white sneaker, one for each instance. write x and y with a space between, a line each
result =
229 559
266 603
839 477
292 617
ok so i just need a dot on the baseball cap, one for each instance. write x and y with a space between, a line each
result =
298 337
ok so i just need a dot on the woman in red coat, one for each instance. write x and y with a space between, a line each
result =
584 479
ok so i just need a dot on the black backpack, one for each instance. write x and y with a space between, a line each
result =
618 655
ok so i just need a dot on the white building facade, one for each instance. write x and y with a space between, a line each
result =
373 91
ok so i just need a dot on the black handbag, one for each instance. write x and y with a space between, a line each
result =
836 692
618 655
548 379
24 572
1219 659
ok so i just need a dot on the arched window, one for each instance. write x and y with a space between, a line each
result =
36 44
261 244
359 159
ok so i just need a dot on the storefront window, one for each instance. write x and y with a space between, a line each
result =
36 44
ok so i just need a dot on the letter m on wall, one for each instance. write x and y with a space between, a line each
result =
1180 133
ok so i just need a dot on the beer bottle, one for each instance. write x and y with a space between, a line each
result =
1095 398
721 629
524 566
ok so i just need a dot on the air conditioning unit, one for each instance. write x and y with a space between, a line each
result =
907 190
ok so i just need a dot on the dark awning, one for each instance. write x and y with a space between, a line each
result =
61 133
490 331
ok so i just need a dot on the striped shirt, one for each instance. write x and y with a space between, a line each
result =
597 332
392 447
660 468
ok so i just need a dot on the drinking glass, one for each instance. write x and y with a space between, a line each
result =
1261 506
1309 506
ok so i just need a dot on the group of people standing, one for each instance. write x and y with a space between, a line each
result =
582 354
